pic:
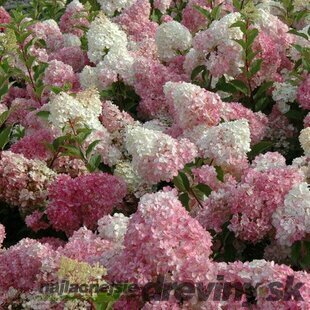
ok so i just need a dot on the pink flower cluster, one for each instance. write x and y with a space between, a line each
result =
4 17
83 200
23 181
183 252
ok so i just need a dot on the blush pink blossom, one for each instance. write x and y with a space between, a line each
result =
162 238
74 18
33 146
83 200
135 21
60 74
4 17
72 56
257 120
255 199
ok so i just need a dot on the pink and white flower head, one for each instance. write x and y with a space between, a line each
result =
227 144
72 56
135 21
111 7
191 105
162 5
86 246
4 17
113 228
26 266
292 221
170 38
49 31
269 160
162 238
224 54
24 181
258 121
83 200
110 153
257 197
150 77
59 74
191 18
113 119
33 146
157 156
102 36
74 18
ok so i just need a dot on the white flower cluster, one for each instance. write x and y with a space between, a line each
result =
113 228
143 142
303 163
125 170
71 40
116 63
269 160
227 142
292 221
119 61
83 110
110 7
284 93
88 77
170 38
304 139
221 31
102 36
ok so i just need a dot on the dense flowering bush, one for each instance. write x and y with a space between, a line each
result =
148 147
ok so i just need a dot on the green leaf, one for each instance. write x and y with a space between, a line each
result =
295 114
73 151
3 117
251 55
5 136
241 86
59 141
251 35
220 173
91 147
215 13
259 148
262 89
261 104
196 71
297 33
184 198
237 4
181 182
203 11
240 24
224 86
241 42
44 114
94 162
205 189
201 191
82 135
255 67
